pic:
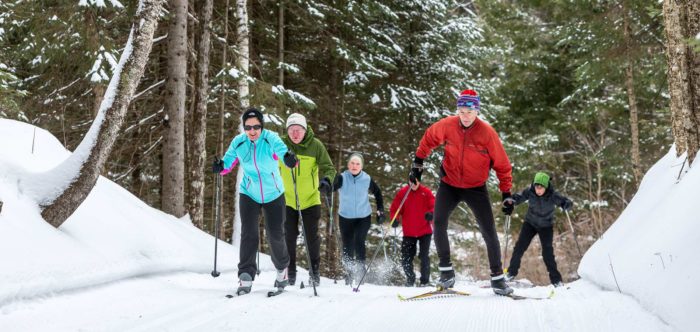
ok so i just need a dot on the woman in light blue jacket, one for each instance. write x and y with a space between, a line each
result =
257 150
355 214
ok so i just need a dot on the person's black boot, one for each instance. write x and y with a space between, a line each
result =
447 278
499 286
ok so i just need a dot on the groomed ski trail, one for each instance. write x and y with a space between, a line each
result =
195 302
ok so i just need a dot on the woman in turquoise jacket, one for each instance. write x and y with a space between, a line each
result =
257 150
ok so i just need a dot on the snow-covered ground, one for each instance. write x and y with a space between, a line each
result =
119 265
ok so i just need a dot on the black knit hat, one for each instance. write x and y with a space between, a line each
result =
253 113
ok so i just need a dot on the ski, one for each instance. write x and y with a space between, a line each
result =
513 284
269 294
275 293
434 294
522 297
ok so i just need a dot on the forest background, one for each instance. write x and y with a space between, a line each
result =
575 88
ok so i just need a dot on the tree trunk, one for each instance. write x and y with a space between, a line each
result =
199 119
682 22
220 141
243 43
173 174
631 96
90 156
280 43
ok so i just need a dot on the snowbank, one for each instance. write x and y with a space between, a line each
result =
651 250
112 236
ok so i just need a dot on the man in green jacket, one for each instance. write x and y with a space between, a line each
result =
313 158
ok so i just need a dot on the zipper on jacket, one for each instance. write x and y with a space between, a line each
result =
255 163
275 181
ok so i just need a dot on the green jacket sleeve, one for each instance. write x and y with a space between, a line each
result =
325 165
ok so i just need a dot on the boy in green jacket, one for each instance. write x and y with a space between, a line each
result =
313 159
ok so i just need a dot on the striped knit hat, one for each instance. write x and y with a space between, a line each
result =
469 99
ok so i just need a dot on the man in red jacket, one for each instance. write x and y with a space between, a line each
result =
415 215
472 148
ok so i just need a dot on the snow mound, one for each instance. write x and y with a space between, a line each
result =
112 236
650 252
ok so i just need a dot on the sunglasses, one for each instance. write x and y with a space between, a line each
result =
253 127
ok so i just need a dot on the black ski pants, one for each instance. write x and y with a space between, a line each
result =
354 234
250 229
478 201
310 217
408 251
546 234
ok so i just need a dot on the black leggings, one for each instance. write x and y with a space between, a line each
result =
527 232
310 217
478 201
408 251
274 217
354 233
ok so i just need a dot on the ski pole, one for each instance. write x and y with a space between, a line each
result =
573 233
303 230
257 272
381 244
386 258
507 231
395 243
217 220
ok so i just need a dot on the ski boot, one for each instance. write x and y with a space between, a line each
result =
410 283
558 284
245 283
508 277
282 279
447 278
499 286
292 278
315 279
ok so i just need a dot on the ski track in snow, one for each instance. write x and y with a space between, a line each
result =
197 302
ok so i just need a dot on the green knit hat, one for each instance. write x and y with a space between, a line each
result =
542 178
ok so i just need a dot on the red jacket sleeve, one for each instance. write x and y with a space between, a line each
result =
434 136
396 202
501 163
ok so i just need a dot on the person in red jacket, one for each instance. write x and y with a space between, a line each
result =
415 216
472 149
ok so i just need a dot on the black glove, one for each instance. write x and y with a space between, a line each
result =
566 205
429 216
325 186
416 170
380 217
337 182
217 166
290 159
395 224
508 205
